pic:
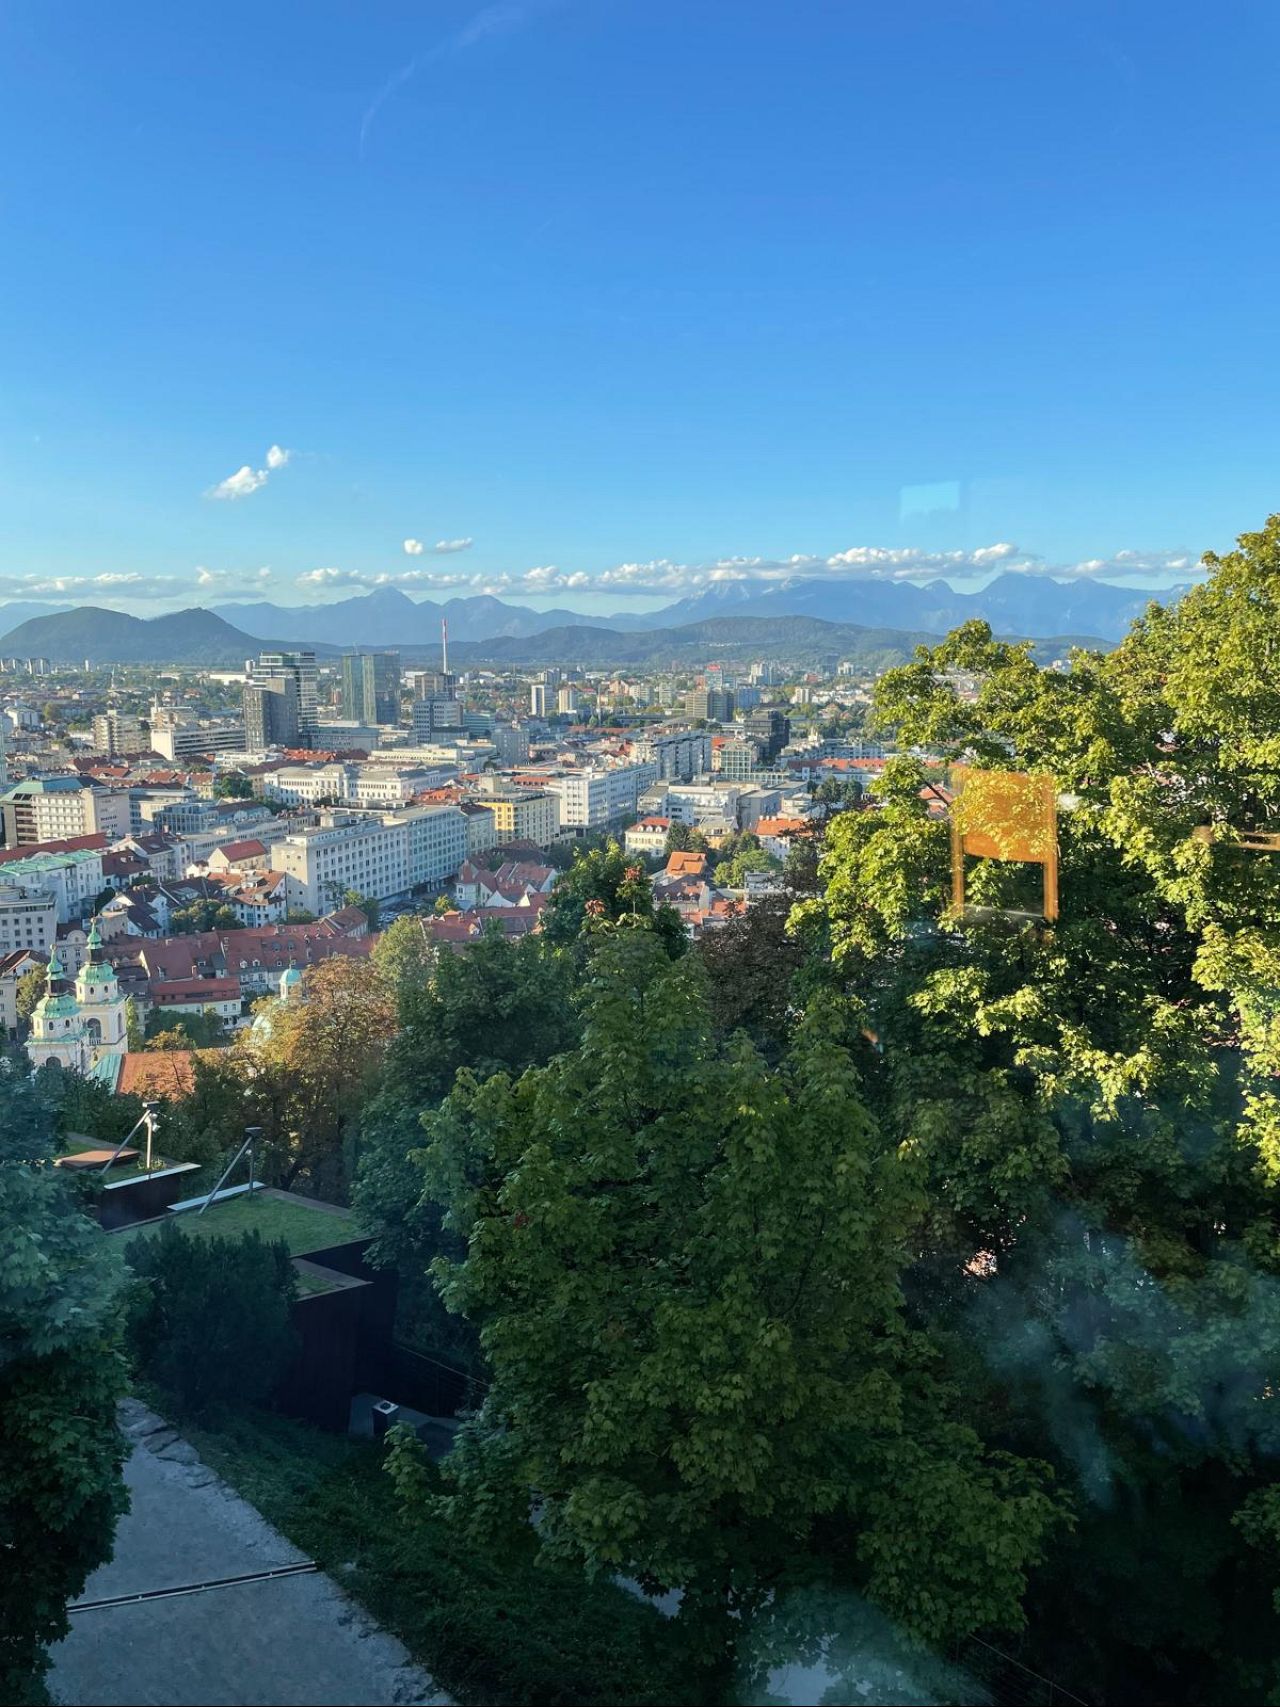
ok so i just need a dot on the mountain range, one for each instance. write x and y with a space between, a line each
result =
1013 603
202 637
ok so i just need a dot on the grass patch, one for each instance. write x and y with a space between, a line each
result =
119 1170
302 1227
487 1629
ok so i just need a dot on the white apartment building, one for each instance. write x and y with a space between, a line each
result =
385 785
374 854
74 879
354 784
704 804
177 739
46 809
111 811
117 732
306 785
28 918
438 842
594 799
678 754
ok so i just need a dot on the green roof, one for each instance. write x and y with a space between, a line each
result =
304 1226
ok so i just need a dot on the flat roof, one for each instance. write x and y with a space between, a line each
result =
304 1224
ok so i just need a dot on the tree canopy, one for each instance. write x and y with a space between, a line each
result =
686 1270
61 1373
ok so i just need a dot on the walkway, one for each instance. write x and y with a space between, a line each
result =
294 1639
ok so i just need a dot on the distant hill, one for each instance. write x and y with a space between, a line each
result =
797 639
112 637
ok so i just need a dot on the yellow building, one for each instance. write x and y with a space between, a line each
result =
528 816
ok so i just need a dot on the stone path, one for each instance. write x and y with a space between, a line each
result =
291 1640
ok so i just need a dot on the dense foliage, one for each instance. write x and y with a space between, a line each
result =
61 1373
685 1269
210 1319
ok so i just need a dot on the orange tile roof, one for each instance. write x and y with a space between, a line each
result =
166 1073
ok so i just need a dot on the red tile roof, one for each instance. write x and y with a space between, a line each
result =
71 844
249 848
171 993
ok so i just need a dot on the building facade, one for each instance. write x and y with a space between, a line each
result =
280 701
28 918
371 687
523 815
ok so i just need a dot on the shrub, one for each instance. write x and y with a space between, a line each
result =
210 1323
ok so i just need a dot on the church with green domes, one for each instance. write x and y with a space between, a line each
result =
81 1025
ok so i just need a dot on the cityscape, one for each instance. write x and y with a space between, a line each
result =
639 855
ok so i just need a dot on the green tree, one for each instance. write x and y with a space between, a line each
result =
683 838
602 886
732 873
211 1324
206 914
1094 1102
404 954
299 916
753 964
134 1033
496 1006
313 1067
61 1373
167 1029
232 785
31 986
685 1273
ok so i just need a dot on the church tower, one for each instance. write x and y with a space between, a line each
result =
57 1033
102 1007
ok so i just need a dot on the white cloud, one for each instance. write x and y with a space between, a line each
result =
239 484
246 480
444 546
331 578
662 576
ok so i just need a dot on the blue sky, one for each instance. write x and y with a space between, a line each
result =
616 297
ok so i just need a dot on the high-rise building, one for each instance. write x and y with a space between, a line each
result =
538 699
114 732
771 728
436 717
371 687
280 701
714 705
511 742
567 700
